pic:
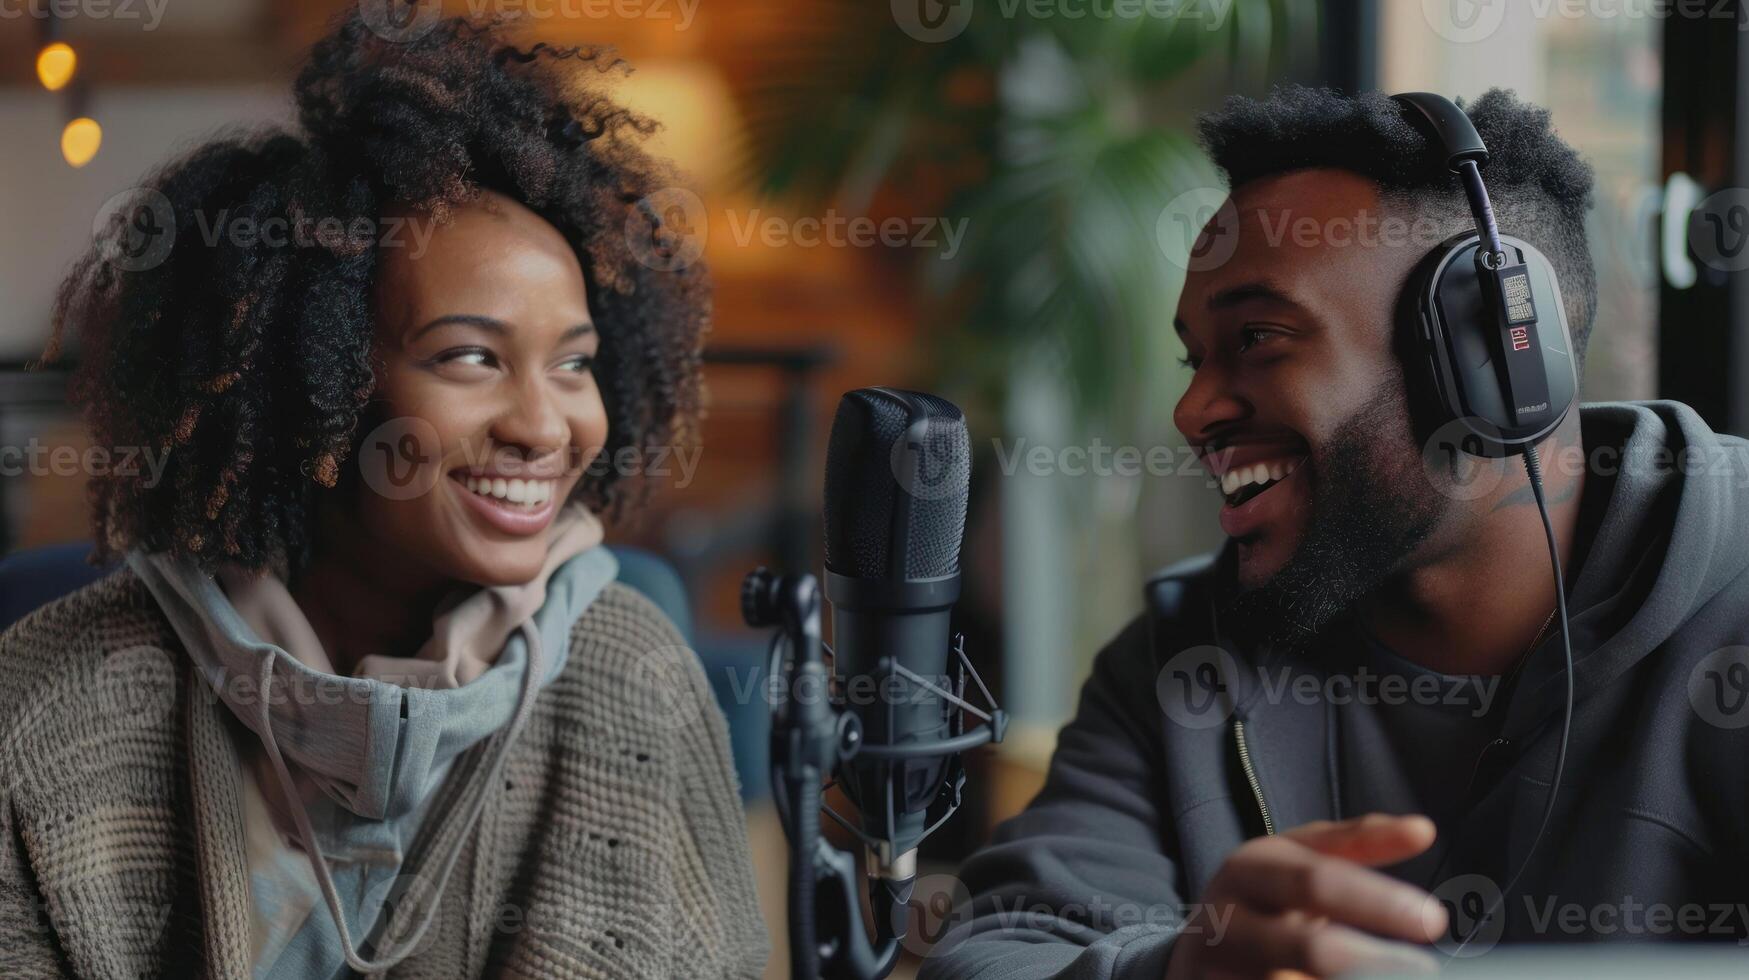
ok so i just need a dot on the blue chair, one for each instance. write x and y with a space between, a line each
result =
35 577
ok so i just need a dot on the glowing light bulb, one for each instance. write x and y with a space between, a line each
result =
55 64
80 140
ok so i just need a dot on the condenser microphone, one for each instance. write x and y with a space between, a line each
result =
898 473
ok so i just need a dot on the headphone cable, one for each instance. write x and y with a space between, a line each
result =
1533 469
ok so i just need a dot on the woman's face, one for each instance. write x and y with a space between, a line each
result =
485 351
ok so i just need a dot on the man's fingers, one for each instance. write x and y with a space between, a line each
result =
1263 943
1376 839
1283 875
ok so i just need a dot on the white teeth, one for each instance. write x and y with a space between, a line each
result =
528 493
1240 477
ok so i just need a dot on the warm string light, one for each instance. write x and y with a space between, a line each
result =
56 66
80 139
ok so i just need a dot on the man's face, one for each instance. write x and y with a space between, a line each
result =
1297 404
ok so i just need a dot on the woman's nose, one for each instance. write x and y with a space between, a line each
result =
533 420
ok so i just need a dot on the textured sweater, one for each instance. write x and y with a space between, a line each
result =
614 848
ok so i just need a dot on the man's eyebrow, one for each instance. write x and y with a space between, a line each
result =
491 325
1249 292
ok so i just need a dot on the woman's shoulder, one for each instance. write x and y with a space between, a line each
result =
103 650
629 658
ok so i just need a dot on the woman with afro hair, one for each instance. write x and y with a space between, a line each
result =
364 697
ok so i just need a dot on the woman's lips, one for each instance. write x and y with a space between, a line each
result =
1274 503
511 518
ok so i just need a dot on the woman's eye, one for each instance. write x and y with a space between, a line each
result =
581 364
478 356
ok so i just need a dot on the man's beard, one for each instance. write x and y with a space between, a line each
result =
1371 506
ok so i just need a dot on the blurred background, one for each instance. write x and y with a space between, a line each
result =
972 197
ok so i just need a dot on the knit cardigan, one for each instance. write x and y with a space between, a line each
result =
615 848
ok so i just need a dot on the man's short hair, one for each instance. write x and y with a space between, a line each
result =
1540 187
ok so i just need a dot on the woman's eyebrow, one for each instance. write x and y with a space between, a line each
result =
491 325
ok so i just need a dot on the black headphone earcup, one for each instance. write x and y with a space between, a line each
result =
1451 342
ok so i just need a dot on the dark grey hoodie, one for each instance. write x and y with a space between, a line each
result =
1151 788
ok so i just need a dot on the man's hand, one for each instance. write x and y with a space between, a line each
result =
1307 901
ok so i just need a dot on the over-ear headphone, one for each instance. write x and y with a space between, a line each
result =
1481 327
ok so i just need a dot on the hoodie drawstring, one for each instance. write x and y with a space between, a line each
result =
473 809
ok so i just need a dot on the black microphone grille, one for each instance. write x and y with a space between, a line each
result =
898 472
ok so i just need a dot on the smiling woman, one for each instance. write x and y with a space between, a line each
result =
365 695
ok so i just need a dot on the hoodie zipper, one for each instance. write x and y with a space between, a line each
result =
1251 776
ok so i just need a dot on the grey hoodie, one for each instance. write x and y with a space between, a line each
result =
1650 836
377 749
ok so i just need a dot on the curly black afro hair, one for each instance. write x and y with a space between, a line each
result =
249 362
1540 188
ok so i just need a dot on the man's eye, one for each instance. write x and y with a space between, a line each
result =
1250 337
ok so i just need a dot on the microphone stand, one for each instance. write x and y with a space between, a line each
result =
812 740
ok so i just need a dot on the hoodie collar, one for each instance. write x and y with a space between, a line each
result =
1662 545
377 742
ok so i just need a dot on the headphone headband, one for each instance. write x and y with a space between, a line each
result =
1451 127
1479 330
